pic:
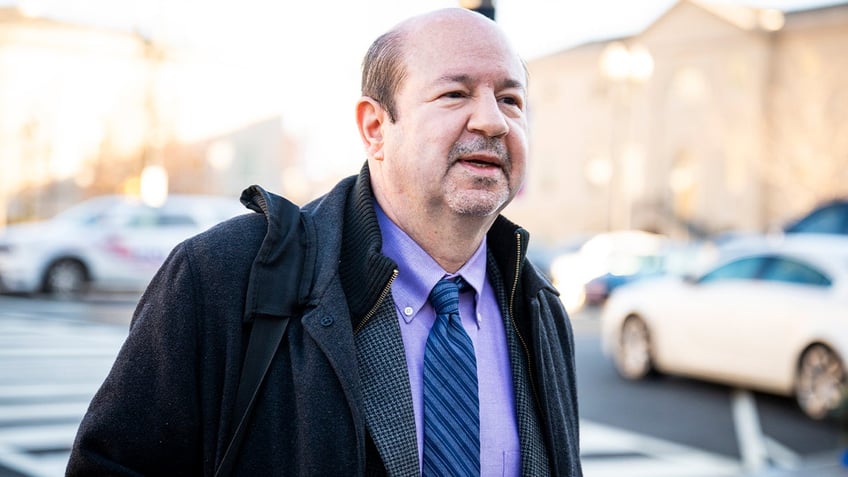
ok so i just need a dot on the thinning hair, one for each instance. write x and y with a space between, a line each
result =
383 70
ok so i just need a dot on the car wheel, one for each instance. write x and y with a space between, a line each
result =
66 278
820 383
633 355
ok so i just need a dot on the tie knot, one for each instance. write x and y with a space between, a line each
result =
445 296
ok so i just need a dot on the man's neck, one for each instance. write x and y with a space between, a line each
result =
451 240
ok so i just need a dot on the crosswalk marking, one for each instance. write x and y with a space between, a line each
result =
49 370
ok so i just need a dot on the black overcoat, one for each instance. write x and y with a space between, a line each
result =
166 406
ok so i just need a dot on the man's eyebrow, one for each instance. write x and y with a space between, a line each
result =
511 83
461 78
467 80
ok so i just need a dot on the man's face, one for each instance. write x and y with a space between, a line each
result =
459 142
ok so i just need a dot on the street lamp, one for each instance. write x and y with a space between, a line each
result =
154 185
624 66
627 63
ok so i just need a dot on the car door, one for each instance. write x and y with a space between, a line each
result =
135 240
787 295
707 319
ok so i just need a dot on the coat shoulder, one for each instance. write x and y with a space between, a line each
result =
232 243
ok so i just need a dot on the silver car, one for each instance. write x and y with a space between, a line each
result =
110 243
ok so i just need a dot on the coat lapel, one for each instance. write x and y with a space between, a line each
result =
386 392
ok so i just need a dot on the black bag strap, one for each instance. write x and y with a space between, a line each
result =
279 286
265 337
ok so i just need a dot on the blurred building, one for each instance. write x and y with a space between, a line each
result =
51 123
84 110
713 118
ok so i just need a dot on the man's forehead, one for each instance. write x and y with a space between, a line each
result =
499 82
454 42
501 69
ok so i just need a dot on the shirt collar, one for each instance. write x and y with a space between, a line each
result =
418 272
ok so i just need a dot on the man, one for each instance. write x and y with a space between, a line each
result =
354 389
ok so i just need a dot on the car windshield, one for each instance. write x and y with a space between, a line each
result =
830 219
86 212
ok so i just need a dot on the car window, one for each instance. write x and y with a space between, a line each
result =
143 217
783 269
118 216
87 212
171 220
628 264
741 269
831 219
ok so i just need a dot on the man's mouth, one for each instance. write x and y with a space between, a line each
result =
484 155
481 161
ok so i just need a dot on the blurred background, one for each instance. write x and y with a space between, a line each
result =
684 155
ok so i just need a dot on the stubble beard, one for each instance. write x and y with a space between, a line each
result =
474 195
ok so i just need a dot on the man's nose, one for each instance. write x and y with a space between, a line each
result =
487 118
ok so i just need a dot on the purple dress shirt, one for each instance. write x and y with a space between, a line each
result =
418 273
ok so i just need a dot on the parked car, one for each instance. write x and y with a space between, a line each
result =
772 320
111 243
828 218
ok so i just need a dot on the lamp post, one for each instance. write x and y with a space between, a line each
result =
153 177
624 66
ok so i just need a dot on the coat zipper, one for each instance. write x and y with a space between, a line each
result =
386 290
515 326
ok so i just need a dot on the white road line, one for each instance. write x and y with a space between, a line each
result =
40 437
49 372
41 412
661 458
781 455
42 466
752 446
30 391
57 352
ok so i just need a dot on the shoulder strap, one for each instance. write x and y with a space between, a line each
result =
265 337
280 282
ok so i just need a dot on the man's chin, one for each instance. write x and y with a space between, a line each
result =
478 203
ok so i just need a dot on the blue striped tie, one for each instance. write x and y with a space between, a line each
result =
451 404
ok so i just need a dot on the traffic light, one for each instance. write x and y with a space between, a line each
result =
483 7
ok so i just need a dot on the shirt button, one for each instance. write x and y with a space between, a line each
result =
326 321
408 311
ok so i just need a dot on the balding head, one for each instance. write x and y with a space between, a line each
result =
384 67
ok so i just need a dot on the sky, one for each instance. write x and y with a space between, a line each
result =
535 26
302 57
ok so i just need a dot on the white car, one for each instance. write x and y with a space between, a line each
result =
775 320
110 243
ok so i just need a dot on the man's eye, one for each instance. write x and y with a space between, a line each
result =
512 101
455 94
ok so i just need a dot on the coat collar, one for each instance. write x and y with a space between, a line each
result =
365 272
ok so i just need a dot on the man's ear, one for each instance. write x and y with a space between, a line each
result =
370 117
